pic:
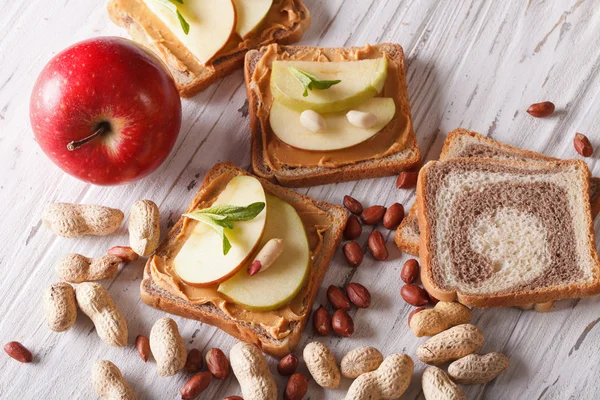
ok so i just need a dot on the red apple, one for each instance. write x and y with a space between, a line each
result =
106 110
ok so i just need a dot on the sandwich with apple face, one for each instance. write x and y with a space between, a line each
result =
202 41
324 115
247 256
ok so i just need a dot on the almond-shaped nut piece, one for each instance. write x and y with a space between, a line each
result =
540 110
269 253
252 372
288 365
217 363
443 316
360 361
167 347
321 364
76 220
414 295
376 244
144 227
407 180
342 323
373 215
387 382
296 387
437 386
338 298
75 268
60 306
393 216
19 352
96 303
353 205
313 121
125 253
582 145
142 344
358 295
450 344
476 369
194 361
361 119
195 385
353 253
109 383
322 321
352 230
410 271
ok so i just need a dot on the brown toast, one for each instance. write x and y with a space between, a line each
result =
292 176
500 233
190 82
157 297
457 145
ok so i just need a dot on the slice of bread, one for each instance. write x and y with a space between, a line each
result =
462 143
190 76
398 160
503 233
157 297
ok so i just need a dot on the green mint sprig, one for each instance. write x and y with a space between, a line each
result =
221 217
170 4
311 82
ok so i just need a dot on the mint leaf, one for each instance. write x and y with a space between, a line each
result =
236 213
311 82
205 219
223 216
184 24
170 4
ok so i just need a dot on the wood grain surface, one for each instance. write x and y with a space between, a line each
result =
471 64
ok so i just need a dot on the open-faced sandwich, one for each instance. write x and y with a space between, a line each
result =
323 115
202 41
248 256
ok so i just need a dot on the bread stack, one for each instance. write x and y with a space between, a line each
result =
498 226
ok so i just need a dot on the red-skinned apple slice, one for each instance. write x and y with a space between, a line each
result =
200 262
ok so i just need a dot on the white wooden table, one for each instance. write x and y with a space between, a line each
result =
472 64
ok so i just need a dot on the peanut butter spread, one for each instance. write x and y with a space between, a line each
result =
277 322
283 15
391 139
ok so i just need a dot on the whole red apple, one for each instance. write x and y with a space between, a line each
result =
106 111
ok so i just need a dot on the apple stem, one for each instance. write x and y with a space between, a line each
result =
102 128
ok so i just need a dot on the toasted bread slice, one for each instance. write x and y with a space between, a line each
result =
498 233
398 160
156 296
462 143
190 76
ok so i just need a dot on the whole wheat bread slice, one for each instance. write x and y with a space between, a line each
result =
189 83
157 297
407 158
462 143
498 233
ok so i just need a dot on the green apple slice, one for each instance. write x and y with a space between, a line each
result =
200 262
278 285
250 13
211 23
360 80
340 134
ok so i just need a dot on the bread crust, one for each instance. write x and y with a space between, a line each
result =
158 298
410 246
222 66
508 299
303 177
